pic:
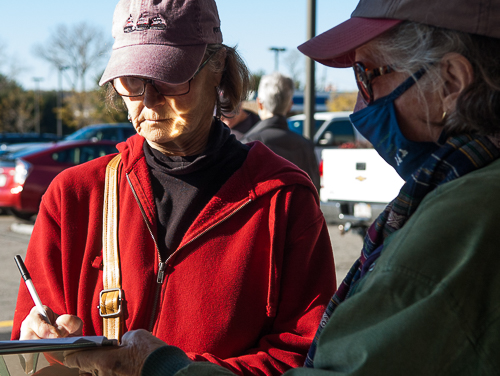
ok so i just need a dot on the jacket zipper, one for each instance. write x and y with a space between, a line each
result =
161 266
160 278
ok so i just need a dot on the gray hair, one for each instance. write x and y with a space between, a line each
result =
276 93
412 46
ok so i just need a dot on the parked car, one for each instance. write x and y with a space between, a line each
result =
16 138
35 168
296 122
338 132
98 132
5 150
6 181
332 130
356 186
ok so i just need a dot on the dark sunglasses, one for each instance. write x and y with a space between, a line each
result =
130 86
364 79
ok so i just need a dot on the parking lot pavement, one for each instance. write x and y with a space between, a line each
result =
12 243
14 238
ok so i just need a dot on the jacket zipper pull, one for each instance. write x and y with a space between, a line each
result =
161 272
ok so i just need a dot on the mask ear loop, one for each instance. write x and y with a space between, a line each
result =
405 85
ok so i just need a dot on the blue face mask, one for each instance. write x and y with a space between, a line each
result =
378 124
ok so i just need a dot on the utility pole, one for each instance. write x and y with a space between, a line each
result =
277 50
59 100
37 103
309 92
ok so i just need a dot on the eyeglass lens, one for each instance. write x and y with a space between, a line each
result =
135 86
364 85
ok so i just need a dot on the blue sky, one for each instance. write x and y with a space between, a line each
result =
253 25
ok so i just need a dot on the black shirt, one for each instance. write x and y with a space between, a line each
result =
182 186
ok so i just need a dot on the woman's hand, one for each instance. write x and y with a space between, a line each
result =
126 359
35 327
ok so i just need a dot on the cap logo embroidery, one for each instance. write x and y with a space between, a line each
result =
129 26
158 24
143 23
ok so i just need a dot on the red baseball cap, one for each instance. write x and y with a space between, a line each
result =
336 47
371 18
161 39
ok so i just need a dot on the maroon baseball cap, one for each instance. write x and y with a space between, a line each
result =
336 47
161 39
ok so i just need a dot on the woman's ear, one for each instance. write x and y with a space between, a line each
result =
457 74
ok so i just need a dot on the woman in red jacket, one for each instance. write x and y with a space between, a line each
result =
223 249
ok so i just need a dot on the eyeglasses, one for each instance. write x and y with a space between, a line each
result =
130 86
364 79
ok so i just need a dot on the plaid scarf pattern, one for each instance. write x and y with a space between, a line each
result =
457 157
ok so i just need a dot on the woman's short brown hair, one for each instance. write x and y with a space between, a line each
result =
235 81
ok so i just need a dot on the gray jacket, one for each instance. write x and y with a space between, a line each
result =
274 133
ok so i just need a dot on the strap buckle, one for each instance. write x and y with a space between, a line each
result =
116 303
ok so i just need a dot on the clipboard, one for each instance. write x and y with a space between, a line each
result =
39 357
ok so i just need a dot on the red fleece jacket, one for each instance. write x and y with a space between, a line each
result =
246 288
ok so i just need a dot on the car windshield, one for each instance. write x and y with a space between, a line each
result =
81 134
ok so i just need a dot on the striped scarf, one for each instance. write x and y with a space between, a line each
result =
457 157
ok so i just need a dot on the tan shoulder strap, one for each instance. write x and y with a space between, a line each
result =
111 297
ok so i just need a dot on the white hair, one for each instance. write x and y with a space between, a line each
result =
276 93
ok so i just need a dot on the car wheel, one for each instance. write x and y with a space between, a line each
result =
26 216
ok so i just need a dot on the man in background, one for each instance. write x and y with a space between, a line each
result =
240 121
274 101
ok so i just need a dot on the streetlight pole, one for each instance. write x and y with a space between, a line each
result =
59 100
37 103
277 50
309 92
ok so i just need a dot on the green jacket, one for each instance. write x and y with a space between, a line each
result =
431 304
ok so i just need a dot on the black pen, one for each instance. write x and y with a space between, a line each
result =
31 287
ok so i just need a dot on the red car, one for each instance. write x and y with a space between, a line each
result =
6 183
34 170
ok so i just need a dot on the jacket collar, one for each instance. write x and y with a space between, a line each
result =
261 173
277 121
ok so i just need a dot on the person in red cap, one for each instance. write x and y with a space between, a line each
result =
423 297
222 249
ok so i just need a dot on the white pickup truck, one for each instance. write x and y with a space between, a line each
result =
356 186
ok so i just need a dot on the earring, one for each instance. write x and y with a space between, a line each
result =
444 115
129 118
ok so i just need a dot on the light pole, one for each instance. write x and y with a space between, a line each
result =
277 50
37 103
310 90
59 101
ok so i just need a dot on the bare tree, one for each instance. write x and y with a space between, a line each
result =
81 47
11 66
293 61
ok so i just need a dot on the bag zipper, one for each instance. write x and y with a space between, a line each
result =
162 266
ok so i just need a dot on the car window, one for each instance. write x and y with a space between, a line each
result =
81 134
82 154
338 132
297 126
